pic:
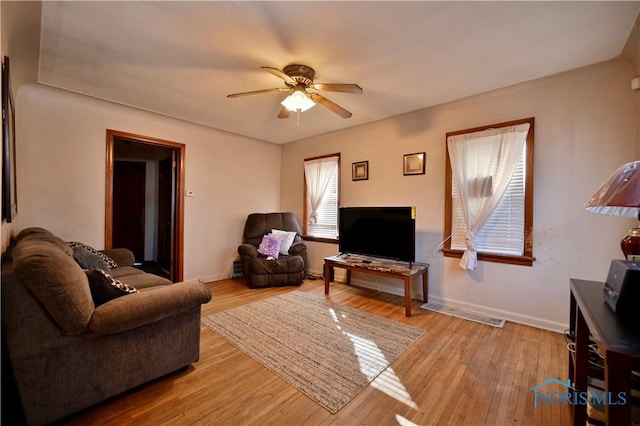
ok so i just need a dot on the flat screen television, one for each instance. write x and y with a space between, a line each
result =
388 232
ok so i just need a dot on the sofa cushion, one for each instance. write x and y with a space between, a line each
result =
104 287
270 245
286 264
144 280
123 271
41 234
56 280
122 256
89 260
32 231
110 262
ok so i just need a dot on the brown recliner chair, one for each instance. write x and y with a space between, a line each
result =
259 270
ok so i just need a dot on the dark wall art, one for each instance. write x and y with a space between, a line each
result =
9 196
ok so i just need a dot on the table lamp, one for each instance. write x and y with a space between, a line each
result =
619 196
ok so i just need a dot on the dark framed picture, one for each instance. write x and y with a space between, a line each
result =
360 170
9 198
414 164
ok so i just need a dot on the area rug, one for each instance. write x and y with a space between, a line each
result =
328 351
461 313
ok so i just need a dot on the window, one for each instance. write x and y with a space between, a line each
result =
496 165
321 195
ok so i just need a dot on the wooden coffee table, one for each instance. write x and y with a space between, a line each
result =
381 267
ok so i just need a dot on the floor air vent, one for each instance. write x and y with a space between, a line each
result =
236 269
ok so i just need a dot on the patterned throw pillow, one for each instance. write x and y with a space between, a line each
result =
104 287
89 260
110 262
270 245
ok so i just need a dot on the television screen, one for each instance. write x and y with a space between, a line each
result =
388 232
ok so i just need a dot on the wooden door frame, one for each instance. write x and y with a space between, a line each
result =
180 150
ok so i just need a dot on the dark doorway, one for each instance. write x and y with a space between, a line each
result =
129 186
144 213
166 185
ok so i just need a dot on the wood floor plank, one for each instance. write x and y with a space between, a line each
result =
458 373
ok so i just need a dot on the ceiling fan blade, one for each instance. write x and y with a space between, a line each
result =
338 87
284 113
330 105
256 92
280 74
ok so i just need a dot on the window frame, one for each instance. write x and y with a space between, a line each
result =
305 234
527 258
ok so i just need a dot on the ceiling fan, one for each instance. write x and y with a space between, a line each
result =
299 80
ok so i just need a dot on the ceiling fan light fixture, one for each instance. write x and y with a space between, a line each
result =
298 79
298 101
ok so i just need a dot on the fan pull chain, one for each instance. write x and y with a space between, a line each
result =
298 116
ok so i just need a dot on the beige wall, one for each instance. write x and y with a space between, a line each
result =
61 178
21 39
585 128
20 34
631 51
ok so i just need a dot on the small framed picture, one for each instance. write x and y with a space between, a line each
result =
414 164
360 170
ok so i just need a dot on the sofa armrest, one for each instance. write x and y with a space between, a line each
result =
146 307
122 256
248 250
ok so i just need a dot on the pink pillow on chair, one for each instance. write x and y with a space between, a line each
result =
270 245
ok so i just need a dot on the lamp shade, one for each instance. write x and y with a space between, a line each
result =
298 101
619 195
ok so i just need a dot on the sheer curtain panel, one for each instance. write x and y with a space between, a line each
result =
318 174
482 165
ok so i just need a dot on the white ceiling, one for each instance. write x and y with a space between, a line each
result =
181 59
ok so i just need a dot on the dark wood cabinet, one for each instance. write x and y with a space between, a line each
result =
617 340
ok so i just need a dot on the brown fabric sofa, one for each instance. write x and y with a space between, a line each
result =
260 271
65 353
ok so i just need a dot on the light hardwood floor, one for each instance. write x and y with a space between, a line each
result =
458 373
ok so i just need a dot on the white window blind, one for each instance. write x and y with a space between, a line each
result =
503 233
326 222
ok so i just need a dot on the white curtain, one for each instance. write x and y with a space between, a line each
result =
482 164
318 176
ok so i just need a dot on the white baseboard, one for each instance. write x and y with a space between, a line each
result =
479 309
507 315
210 278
